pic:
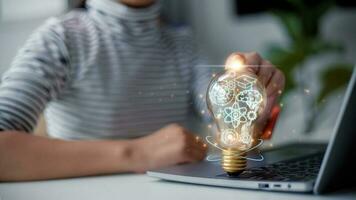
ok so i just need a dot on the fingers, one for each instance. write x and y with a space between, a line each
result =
266 72
235 61
194 139
252 58
196 155
269 76
253 61
249 61
196 151
276 83
274 90
198 144
196 148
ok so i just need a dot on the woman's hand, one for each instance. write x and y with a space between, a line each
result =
173 144
271 77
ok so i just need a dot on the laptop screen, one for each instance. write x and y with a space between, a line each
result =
338 161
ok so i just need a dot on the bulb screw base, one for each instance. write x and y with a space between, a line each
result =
232 162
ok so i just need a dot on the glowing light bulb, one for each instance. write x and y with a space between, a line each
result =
235 99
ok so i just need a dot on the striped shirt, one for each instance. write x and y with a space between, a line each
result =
109 71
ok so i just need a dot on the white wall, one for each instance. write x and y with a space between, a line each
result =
222 32
18 10
12 37
18 19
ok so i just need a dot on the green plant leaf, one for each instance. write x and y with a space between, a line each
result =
287 60
290 23
334 78
301 22
318 46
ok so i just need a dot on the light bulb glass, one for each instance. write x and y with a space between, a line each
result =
236 99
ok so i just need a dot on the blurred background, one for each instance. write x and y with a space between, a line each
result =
313 42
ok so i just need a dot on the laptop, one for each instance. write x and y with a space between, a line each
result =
296 167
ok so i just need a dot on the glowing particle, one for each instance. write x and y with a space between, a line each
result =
210 126
204 145
279 91
201 96
213 75
271 145
306 91
203 112
197 138
281 104
187 91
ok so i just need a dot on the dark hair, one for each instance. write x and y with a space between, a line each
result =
81 4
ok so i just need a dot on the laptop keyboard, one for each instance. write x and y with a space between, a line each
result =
301 169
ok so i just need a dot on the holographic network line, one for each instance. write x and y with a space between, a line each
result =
223 66
215 158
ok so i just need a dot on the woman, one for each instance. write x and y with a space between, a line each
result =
112 71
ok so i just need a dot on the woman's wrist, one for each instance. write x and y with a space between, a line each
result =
132 156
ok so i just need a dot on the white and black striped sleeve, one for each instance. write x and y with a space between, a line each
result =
201 78
38 74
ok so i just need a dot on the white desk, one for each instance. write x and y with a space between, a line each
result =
122 187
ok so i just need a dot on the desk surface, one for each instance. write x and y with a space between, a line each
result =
139 187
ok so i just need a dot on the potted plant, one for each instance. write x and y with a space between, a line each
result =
301 21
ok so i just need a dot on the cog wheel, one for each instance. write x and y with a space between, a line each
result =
251 115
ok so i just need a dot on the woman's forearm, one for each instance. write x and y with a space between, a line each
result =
28 157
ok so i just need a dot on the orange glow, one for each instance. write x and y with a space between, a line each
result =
235 63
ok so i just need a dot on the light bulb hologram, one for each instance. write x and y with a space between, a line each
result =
235 99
